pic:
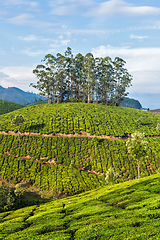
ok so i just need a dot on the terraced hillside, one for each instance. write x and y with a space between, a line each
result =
59 147
123 211
71 118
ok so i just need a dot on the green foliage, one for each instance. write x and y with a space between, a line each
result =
6 106
19 119
111 176
122 211
82 78
137 147
158 127
44 161
7 198
70 118
19 190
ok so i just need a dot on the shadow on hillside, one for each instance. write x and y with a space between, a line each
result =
36 126
30 195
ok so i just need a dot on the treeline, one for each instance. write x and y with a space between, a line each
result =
82 78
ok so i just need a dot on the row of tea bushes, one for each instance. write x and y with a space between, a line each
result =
7 106
66 179
70 118
82 153
127 211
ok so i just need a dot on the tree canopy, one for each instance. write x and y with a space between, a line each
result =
82 78
137 147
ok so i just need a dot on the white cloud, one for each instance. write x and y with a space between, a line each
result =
31 38
59 42
69 7
23 19
20 2
65 42
28 20
142 63
17 76
119 7
132 36
32 53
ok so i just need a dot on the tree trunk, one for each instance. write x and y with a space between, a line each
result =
138 169
18 134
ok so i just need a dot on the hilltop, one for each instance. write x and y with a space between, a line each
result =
71 118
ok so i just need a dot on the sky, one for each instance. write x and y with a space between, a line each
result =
116 28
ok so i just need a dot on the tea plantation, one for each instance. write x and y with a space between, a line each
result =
6 106
129 210
75 163
71 118
70 147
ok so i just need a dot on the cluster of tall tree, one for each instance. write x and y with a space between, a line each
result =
82 78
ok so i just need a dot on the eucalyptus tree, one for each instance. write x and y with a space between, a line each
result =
79 76
89 71
50 62
60 77
122 80
70 73
64 77
104 76
43 84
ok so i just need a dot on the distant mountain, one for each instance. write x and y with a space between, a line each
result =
17 95
148 100
131 103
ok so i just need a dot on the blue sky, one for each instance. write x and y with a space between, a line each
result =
127 29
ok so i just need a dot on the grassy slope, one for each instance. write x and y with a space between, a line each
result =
129 210
76 117
6 106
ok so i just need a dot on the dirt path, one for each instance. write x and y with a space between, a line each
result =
83 134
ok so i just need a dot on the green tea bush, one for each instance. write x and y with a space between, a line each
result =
76 117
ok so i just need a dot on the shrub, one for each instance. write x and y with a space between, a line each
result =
7 198
111 176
